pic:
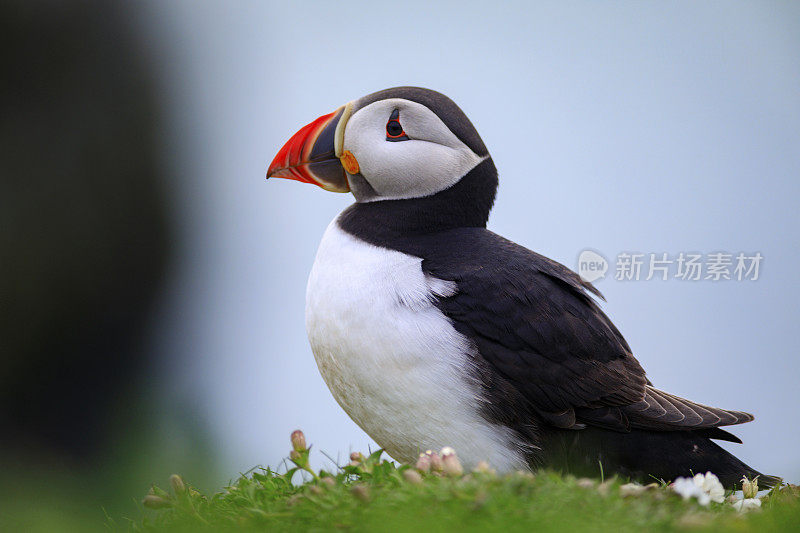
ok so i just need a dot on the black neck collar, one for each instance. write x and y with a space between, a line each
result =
463 205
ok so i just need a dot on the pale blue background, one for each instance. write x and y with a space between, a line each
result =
627 126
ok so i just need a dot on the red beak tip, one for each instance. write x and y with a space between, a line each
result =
293 161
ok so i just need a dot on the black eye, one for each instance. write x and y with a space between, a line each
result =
394 130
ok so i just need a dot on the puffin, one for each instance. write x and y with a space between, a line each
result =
430 330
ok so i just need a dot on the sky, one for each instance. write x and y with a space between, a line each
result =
626 127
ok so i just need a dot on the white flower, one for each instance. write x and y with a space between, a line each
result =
746 504
711 486
704 487
686 487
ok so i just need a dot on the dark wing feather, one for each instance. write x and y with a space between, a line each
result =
663 411
534 321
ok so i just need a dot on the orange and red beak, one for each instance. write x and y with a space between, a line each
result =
315 155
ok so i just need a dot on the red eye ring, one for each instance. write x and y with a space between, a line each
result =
394 130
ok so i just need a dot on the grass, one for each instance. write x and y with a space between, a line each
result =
373 494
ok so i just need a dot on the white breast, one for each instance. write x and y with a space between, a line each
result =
391 359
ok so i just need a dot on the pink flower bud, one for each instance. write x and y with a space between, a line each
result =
450 463
436 461
412 476
298 440
177 484
483 468
152 501
423 463
357 457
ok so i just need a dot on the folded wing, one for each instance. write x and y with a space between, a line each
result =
533 320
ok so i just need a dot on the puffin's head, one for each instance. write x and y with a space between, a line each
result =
395 144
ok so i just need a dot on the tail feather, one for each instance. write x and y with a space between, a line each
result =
768 482
718 434
645 455
661 410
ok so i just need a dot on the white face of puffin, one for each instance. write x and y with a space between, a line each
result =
403 151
